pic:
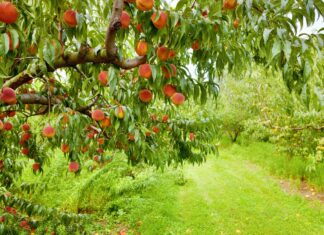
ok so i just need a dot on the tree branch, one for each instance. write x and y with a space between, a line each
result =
113 27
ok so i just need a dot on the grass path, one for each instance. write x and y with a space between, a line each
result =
227 195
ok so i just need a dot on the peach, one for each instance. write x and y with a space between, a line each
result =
2 115
169 90
204 13
139 27
103 78
120 112
96 158
8 13
2 218
84 149
106 122
131 137
144 5
48 131
191 136
195 45
125 20
90 135
172 54
1 125
7 126
24 225
65 148
145 95
162 53
70 18
141 48
169 74
74 166
161 21
65 119
8 96
25 136
145 71
148 134
178 98
97 115
236 23
25 151
153 117
165 118
100 150
229 4
155 129
101 141
25 127
36 166
11 113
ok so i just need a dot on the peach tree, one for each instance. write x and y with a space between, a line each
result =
98 76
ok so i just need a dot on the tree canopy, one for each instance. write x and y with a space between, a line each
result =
93 76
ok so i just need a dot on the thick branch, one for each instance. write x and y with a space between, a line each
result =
18 80
113 27
37 99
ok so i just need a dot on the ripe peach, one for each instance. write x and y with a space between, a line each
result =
161 21
229 4
236 23
120 112
100 150
195 45
172 54
125 20
73 166
2 115
155 129
2 218
90 135
162 53
139 27
103 78
165 118
169 90
1 125
65 148
25 151
101 141
145 71
84 149
154 117
25 136
148 134
204 13
144 5
178 98
141 48
7 126
191 136
96 158
98 115
131 137
48 131
36 166
24 225
106 122
25 127
169 74
8 96
8 13
11 113
145 95
70 18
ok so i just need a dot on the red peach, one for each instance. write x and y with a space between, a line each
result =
165 118
36 166
145 95
161 21
11 113
25 151
74 166
103 78
230 4
131 137
98 115
155 129
162 53
195 45
8 13
106 122
169 90
191 136
101 141
169 74
141 48
70 18
144 5
25 136
7 126
8 96
25 127
125 20
145 71
236 23
178 98
48 131
139 27
65 148
172 54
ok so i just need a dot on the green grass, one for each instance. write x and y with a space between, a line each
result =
225 195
